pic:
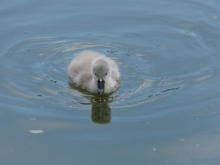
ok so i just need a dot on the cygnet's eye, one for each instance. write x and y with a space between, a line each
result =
106 74
95 74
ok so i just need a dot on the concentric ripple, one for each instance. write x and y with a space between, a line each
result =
37 74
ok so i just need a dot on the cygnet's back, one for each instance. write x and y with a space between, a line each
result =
83 72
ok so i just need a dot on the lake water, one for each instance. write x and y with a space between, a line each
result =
166 110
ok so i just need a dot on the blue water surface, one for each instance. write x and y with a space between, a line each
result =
166 110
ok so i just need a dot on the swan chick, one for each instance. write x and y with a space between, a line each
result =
94 72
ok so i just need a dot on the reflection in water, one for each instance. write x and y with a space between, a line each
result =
101 112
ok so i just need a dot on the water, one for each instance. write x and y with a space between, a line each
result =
166 110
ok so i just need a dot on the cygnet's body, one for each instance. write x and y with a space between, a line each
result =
94 72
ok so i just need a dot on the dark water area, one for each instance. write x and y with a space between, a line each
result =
166 110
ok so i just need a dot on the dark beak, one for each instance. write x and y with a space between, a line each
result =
101 86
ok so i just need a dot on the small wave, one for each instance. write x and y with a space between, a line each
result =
41 73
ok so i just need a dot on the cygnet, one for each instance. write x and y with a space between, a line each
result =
94 72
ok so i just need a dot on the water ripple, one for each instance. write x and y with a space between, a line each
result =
41 73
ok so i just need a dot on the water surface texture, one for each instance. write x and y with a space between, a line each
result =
166 110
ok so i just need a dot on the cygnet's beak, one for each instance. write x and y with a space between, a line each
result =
101 86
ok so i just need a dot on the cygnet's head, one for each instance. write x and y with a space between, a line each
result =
100 72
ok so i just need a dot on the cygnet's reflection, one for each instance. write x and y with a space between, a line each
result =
100 110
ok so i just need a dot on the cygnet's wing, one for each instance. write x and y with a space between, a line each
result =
79 69
81 63
115 71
